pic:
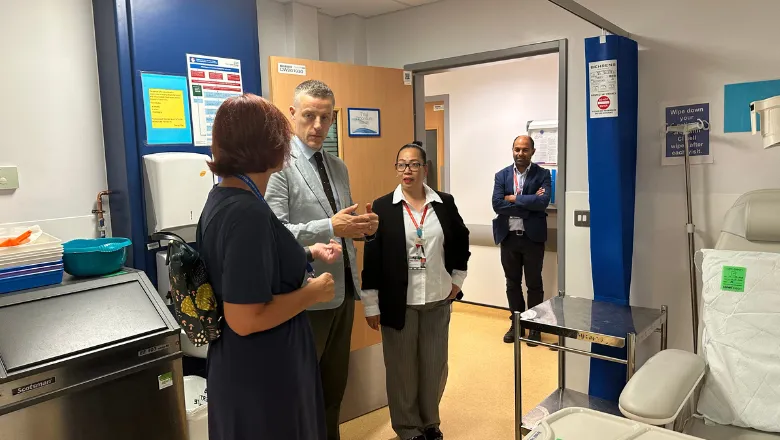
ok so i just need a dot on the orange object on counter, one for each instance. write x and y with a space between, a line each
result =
10 242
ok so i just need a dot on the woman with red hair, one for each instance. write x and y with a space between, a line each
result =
263 377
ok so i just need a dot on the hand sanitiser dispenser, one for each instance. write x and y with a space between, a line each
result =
769 110
176 187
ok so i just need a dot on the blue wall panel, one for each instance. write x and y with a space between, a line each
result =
155 36
612 152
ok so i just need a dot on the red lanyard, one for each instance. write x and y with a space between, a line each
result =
422 220
517 185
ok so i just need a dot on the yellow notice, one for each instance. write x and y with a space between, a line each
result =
167 108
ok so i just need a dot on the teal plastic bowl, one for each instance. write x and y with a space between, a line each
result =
95 256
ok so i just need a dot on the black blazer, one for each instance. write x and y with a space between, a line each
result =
385 265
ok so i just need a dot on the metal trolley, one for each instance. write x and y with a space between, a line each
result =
591 321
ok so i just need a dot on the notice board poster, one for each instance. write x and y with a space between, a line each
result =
546 146
603 83
673 144
212 80
166 109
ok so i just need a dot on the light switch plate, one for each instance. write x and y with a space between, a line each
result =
9 178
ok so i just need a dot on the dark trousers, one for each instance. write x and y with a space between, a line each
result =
332 335
521 255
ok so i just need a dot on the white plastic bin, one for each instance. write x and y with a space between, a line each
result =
196 403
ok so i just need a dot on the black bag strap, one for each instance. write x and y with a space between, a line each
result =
165 235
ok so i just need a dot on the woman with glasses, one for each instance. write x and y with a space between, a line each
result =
412 271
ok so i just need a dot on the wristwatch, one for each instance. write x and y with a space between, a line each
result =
309 256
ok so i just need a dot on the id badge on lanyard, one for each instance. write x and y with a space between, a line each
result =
417 261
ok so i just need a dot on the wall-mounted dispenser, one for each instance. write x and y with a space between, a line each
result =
176 186
769 111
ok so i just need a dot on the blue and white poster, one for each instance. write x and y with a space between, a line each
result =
363 122
212 80
673 145
166 109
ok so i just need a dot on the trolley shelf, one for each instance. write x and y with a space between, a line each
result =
565 398
597 322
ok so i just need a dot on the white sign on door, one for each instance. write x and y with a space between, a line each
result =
407 78
292 69
603 89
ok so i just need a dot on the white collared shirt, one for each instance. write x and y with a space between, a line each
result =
308 153
516 223
434 283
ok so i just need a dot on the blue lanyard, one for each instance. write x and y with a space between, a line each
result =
256 192
251 186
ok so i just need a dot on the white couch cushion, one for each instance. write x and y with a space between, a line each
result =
741 339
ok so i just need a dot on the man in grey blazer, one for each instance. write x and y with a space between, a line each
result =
312 198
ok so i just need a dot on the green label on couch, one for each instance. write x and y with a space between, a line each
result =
733 279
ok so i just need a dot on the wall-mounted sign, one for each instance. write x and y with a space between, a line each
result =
292 69
438 107
166 109
603 89
212 81
407 78
363 122
673 144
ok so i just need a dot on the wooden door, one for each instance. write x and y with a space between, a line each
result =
369 159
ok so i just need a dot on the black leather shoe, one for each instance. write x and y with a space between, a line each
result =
433 433
534 336
509 337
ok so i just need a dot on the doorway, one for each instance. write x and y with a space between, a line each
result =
435 141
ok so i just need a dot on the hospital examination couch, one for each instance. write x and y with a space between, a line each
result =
666 391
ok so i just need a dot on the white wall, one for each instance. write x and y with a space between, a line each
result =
490 105
328 36
51 123
272 36
689 50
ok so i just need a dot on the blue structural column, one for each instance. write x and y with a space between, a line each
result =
611 69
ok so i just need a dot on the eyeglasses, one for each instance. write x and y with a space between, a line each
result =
414 166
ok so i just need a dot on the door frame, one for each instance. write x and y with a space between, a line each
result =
419 70
445 178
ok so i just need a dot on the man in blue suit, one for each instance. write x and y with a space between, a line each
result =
520 197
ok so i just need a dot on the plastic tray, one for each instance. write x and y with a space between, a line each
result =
49 257
31 281
29 269
44 243
586 424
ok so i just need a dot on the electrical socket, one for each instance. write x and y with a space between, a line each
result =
582 219
9 178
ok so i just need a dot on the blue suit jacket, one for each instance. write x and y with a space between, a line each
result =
528 206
